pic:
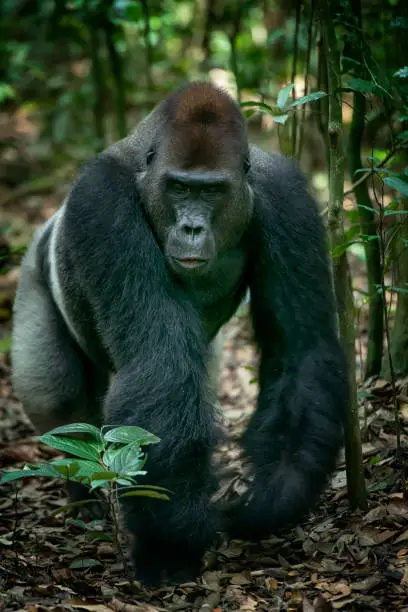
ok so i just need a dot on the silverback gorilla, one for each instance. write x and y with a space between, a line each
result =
123 291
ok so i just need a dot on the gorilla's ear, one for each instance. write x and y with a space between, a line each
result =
247 164
150 156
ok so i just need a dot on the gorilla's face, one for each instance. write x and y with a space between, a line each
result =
197 214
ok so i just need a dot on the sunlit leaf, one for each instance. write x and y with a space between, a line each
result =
312 97
283 95
281 119
42 470
130 433
129 461
402 73
79 448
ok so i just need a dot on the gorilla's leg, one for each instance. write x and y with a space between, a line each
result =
214 360
52 377
169 538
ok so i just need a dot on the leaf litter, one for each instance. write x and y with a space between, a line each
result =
338 559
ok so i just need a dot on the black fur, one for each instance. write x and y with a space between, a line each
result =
158 352
293 437
133 316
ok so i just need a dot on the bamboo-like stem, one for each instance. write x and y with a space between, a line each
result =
341 272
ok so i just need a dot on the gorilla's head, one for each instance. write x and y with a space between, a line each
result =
195 187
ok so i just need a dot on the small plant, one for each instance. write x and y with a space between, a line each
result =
111 459
107 457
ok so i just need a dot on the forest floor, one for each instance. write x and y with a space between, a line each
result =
338 559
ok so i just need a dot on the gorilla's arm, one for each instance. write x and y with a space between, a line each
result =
157 348
293 438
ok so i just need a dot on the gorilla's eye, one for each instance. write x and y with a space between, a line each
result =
211 191
180 189
247 165
150 156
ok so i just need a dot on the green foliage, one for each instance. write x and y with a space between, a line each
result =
103 459
280 112
399 184
6 92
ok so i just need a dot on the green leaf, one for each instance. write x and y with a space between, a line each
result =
79 448
312 97
363 86
352 232
88 468
109 454
67 468
84 563
402 73
76 523
260 105
104 475
397 184
152 487
78 428
403 136
6 92
387 213
370 208
400 290
145 493
5 344
281 119
100 484
342 248
249 112
129 461
42 470
283 96
125 482
130 433
274 36
352 215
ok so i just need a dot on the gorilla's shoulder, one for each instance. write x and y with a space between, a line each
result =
274 166
281 190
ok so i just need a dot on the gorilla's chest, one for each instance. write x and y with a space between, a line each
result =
218 295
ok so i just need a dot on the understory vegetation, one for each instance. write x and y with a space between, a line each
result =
323 81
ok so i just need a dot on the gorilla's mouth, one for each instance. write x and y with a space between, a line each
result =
191 262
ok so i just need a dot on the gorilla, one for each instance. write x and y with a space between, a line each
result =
123 292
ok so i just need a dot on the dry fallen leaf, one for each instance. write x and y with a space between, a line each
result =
83 605
402 537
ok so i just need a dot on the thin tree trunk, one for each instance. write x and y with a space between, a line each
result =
371 244
366 214
117 75
99 90
399 334
294 70
149 50
341 272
